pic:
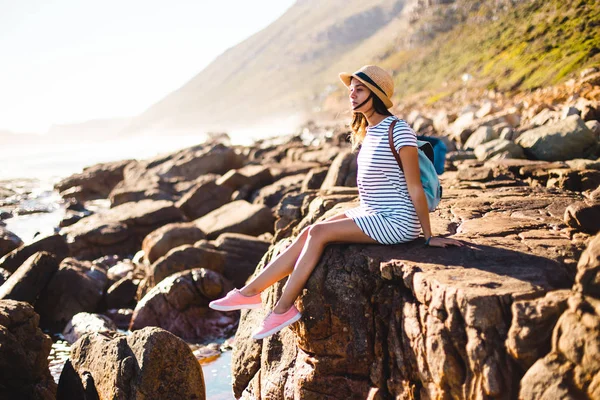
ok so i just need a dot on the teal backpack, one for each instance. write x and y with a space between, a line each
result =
429 177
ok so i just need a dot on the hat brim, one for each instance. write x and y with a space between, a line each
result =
347 79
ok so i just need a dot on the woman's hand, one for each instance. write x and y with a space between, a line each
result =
435 241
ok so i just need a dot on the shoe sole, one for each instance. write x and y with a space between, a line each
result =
278 328
233 308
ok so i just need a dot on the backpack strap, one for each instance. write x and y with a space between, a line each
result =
391 142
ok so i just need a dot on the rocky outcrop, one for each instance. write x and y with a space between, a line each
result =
203 199
150 363
119 230
179 304
24 351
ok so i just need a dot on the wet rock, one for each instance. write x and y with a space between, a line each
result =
184 258
583 216
54 244
563 140
532 324
203 199
342 171
94 182
119 230
84 323
161 241
237 217
26 283
498 148
76 287
482 135
8 241
24 351
150 363
242 255
179 304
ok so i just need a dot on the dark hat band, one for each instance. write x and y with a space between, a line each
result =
365 77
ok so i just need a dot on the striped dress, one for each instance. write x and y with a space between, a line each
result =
386 212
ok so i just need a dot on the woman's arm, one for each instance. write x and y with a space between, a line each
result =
410 164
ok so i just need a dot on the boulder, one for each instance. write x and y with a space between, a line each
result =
587 280
594 126
342 171
26 283
24 351
234 180
498 148
119 230
83 323
563 140
186 257
272 194
150 364
314 179
167 237
121 294
94 182
237 217
482 135
583 217
8 241
203 199
242 255
54 244
573 180
179 304
76 287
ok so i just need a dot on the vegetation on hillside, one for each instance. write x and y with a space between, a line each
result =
535 43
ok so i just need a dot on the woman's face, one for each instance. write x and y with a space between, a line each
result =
358 94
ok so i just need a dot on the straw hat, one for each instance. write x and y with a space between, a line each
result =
376 79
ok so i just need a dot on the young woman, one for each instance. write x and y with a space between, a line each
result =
393 207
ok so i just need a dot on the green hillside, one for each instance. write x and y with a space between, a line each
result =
534 44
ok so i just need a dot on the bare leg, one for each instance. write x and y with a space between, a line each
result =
319 235
282 265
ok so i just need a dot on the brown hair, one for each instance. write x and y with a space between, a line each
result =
359 122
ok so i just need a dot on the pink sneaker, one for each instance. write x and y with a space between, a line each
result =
235 300
275 322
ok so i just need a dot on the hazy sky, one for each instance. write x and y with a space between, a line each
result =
65 61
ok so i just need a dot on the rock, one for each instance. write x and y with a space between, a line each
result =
237 217
314 179
84 323
4 275
95 182
422 124
120 270
461 128
563 140
482 135
486 109
581 164
259 176
203 199
498 148
179 304
26 283
242 255
70 218
532 324
432 323
460 155
584 217
8 241
544 117
184 258
234 180
121 294
568 111
481 174
272 194
76 287
507 133
24 351
54 244
587 280
119 230
342 171
150 363
121 317
594 126
167 237
576 181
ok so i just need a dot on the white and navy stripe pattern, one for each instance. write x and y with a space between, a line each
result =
386 212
